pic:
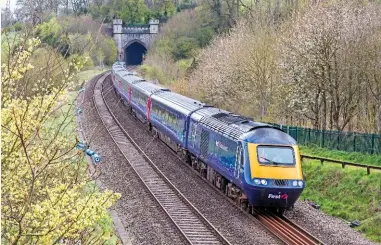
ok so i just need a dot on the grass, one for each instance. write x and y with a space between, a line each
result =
86 75
357 157
349 193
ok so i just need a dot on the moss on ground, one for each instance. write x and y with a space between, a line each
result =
347 193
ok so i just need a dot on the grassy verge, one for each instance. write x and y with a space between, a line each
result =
86 75
343 155
347 193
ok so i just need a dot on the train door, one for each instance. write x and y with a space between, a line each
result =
148 111
129 94
238 161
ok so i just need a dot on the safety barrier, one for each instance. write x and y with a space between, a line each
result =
343 163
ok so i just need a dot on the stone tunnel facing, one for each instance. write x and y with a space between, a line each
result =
135 52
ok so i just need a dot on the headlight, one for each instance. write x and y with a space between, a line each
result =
300 183
264 182
257 181
294 183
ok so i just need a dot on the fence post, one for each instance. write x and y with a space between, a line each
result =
368 170
354 142
372 149
338 140
322 139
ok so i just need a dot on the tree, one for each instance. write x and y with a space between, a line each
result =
131 11
6 17
47 195
324 64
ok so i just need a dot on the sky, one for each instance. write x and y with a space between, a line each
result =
12 4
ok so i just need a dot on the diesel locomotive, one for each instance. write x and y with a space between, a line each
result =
254 163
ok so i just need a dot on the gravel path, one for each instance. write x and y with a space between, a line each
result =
328 229
142 218
234 225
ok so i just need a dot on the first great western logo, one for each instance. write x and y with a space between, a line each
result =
280 196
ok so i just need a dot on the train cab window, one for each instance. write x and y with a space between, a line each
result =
275 155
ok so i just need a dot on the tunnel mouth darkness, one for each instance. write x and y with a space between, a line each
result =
135 52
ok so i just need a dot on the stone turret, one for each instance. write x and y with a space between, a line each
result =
117 34
154 26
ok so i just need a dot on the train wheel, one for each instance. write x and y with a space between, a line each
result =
278 211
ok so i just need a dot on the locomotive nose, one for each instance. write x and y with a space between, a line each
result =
273 197
275 178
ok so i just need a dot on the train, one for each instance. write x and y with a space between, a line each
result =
256 164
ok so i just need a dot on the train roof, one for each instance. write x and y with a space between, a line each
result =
133 79
123 73
231 125
149 88
178 102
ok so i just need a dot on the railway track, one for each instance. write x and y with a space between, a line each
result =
285 229
195 228
279 226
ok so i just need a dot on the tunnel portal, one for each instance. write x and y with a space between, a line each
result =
135 53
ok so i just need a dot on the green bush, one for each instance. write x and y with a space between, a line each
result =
109 49
184 48
18 26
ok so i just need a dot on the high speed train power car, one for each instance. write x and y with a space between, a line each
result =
252 162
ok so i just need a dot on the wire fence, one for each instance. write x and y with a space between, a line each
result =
335 140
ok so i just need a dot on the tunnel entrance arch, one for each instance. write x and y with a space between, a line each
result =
134 52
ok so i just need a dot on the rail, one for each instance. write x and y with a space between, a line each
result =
343 163
285 229
195 228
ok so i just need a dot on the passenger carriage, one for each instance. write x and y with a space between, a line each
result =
250 161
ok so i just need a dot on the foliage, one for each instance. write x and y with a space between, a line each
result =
180 38
136 11
184 47
347 193
131 11
47 195
72 35
109 50
324 53
242 67
302 63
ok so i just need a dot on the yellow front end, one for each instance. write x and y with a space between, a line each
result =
266 171
275 176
